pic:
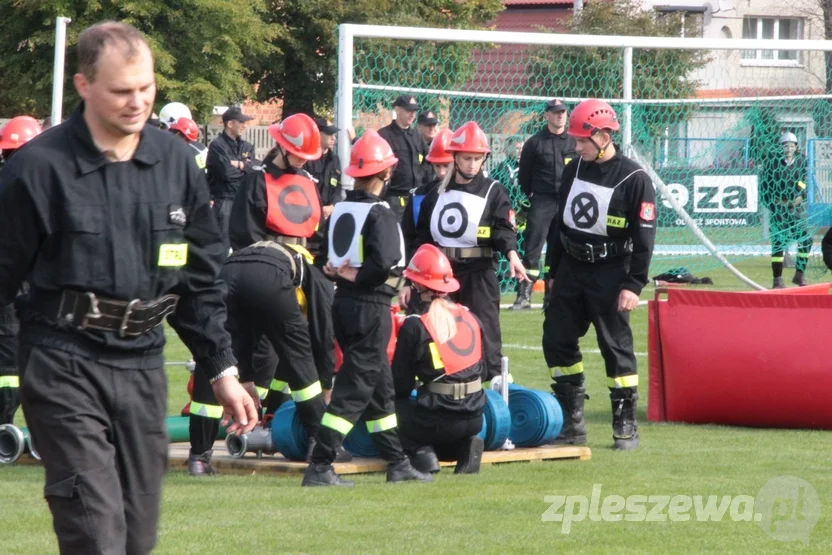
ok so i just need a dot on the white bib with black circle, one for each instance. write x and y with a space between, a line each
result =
456 218
345 239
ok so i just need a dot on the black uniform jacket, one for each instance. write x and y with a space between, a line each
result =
223 178
634 200
409 147
71 219
497 216
542 161
413 361
382 253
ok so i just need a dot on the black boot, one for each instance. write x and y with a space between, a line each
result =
200 465
424 460
323 475
778 283
470 456
341 454
403 472
524 295
571 398
800 279
624 425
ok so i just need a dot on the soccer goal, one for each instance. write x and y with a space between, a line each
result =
704 117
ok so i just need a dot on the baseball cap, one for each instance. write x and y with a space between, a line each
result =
555 105
407 102
325 127
235 114
427 118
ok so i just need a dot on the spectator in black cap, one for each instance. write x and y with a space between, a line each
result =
428 126
541 164
409 148
229 158
326 170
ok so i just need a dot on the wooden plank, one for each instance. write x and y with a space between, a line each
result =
276 463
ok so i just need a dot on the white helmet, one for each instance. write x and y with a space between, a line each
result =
171 113
788 138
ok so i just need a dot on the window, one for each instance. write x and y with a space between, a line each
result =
771 28
687 21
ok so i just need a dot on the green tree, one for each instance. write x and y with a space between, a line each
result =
303 70
598 72
202 48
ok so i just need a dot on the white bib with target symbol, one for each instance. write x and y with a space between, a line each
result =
588 206
456 218
345 239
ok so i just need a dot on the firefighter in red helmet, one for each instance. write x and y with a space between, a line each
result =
188 130
365 256
274 291
469 217
440 349
598 258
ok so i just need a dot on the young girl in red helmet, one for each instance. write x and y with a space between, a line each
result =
365 253
469 217
439 351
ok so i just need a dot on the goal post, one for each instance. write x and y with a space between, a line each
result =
703 116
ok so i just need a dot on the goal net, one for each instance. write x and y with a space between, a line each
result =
704 117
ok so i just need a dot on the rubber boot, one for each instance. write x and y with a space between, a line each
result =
778 283
403 471
624 425
799 279
470 456
424 460
571 398
200 465
317 475
524 296
341 454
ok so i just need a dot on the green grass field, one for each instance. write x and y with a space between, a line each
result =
498 511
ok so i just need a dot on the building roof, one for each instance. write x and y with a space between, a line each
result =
532 20
537 2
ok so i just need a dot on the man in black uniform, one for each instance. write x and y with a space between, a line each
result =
229 159
428 126
410 149
541 164
109 221
326 171
598 260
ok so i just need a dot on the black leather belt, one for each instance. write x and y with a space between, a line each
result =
89 311
463 253
588 252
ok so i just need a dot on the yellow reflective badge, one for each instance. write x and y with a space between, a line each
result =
421 157
201 159
615 221
333 181
483 232
173 255
566 161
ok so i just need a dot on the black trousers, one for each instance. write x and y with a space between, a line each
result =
222 211
270 338
441 430
364 384
480 292
9 383
99 425
542 212
787 225
587 294
398 203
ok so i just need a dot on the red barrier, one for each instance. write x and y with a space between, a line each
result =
746 359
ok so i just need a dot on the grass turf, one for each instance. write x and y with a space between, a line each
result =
499 510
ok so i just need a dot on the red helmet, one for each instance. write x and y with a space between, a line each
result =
299 135
18 132
438 153
469 138
187 127
590 116
370 155
431 268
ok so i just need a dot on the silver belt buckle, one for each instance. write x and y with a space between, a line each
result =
93 313
604 252
591 252
122 329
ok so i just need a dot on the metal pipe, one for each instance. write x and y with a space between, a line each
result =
627 135
343 98
58 69
259 441
12 443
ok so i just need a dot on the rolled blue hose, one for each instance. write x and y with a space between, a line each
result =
288 433
536 416
499 420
